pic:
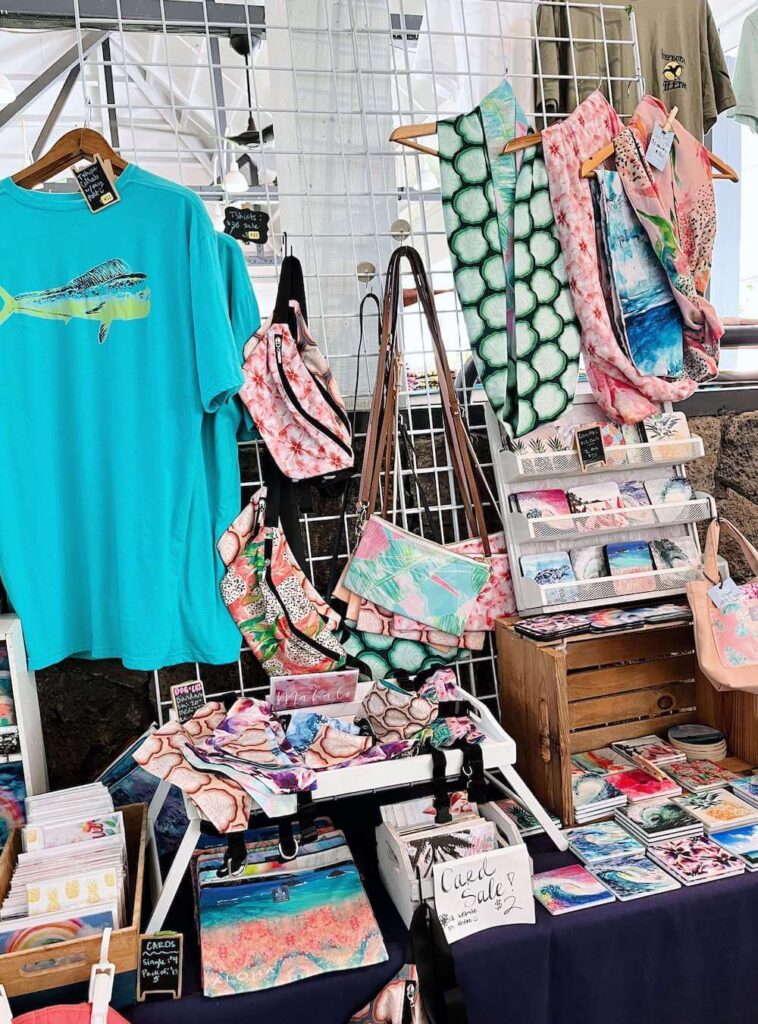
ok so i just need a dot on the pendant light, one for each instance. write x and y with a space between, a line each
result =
235 182
240 43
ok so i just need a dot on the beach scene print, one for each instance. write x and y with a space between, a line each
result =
107 292
275 930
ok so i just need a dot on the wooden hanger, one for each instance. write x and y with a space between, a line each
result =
727 173
74 145
406 133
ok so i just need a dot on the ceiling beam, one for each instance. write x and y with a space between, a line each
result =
185 16
55 112
62 66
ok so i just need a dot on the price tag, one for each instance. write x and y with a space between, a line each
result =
659 147
187 698
96 185
589 443
246 224
160 965
725 593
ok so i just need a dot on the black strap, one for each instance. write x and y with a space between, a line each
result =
291 286
413 681
440 991
342 521
442 815
282 508
473 771
235 855
306 813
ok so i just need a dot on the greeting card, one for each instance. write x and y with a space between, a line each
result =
570 888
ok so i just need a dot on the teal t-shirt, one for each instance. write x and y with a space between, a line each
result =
116 346
216 496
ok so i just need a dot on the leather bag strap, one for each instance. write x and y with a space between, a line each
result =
710 563
378 452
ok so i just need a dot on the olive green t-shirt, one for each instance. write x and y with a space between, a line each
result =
681 59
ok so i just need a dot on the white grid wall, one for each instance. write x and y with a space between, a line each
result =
332 78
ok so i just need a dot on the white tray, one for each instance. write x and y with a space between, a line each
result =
528 465
641 517
498 749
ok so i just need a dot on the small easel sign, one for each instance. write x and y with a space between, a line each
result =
590 446
160 965
187 698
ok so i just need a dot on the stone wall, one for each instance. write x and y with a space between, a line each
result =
90 710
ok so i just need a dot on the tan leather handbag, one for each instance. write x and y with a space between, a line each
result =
726 637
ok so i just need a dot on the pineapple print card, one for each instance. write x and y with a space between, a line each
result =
77 891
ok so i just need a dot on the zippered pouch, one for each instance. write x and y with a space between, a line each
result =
297 414
279 612
415 577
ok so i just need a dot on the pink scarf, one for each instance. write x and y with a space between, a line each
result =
677 208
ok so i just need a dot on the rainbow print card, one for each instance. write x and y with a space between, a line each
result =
26 933
570 888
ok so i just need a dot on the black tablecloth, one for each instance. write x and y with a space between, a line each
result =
683 957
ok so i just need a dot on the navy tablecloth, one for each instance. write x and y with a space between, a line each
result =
684 957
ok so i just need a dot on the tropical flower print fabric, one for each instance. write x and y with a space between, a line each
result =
416 578
303 427
543 333
735 631
399 1002
624 394
279 612
677 208
648 321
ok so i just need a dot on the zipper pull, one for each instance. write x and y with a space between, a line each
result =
278 347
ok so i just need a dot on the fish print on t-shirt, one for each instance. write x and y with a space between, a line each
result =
108 292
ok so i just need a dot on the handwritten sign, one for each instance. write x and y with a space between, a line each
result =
484 891
187 698
589 442
96 186
160 965
246 224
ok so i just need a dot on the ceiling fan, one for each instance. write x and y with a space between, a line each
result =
252 135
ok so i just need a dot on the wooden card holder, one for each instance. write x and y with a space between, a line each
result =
589 690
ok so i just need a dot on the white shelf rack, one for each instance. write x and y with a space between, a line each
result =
532 468
644 517
531 465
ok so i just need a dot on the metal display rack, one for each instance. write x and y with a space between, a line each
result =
530 469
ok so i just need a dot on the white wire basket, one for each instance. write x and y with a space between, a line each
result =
526 529
531 464
609 589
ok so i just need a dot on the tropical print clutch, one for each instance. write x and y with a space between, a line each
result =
415 577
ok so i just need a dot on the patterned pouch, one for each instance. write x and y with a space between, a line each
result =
397 712
379 656
415 577
399 1002
281 615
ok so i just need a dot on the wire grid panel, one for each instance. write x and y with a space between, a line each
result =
328 81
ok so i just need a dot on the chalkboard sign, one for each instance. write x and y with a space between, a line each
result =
96 186
589 442
187 698
246 224
160 965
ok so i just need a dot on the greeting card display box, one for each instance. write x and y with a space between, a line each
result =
406 888
60 973
589 690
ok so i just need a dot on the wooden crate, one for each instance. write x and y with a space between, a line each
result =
589 690
51 971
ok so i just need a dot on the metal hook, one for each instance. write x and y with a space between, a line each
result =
366 272
400 230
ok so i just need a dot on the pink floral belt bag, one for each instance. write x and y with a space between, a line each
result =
297 410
